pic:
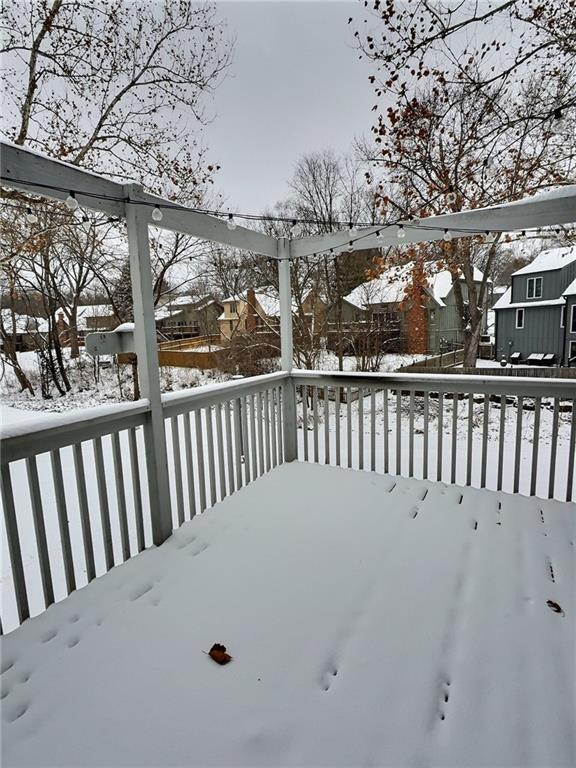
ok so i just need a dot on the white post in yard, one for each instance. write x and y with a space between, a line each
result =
137 218
287 350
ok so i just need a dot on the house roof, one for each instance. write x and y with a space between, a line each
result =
505 302
571 290
553 258
267 298
89 311
390 287
24 323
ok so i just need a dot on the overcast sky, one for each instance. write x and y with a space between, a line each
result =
295 85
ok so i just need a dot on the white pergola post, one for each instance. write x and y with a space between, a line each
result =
148 367
287 350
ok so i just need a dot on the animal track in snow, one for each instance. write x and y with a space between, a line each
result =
328 675
444 698
16 711
6 665
184 542
138 592
197 550
50 635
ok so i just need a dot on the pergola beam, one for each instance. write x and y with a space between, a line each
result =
546 209
36 174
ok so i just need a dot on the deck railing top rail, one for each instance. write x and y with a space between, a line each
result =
430 382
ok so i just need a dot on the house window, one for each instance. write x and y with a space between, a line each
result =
519 318
573 319
563 316
534 288
232 307
572 351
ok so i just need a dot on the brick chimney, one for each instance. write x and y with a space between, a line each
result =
250 309
63 328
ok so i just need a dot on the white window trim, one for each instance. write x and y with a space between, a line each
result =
571 349
520 327
573 318
563 313
534 279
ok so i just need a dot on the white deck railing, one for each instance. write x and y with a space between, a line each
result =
89 478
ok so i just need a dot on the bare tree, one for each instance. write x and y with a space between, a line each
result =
111 85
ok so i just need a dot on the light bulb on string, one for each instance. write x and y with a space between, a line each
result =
447 235
157 214
31 217
401 233
379 235
71 201
231 224
350 246
86 223
295 229
352 230
451 197
522 235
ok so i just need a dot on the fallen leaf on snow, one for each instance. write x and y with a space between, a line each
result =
218 654
554 606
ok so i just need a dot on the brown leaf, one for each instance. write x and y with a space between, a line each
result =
554 606
218 654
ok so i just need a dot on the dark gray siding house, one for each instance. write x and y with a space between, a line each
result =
570 325
533 317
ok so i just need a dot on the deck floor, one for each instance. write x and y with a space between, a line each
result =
373 621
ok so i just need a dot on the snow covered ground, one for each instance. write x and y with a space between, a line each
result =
372 620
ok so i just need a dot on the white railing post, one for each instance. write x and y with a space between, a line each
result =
287 350
148 368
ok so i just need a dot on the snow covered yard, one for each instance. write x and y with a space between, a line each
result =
372 620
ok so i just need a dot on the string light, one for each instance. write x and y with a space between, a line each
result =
451 198
157 214
350 246
401 233
447 235
31 217
231 224
352 231
86 223
71 201
379 235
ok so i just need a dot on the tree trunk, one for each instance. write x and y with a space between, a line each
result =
135 380
471 344
73 336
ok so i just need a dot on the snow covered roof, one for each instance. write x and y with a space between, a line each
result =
571 290
505 302
89 311
390 286
24 323
553 258
327 668
268 300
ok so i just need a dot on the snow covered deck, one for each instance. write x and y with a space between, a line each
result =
373 620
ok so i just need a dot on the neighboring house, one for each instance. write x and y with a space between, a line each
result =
24 332
426 314
536 316
189 316
570 325
249 311
89 317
